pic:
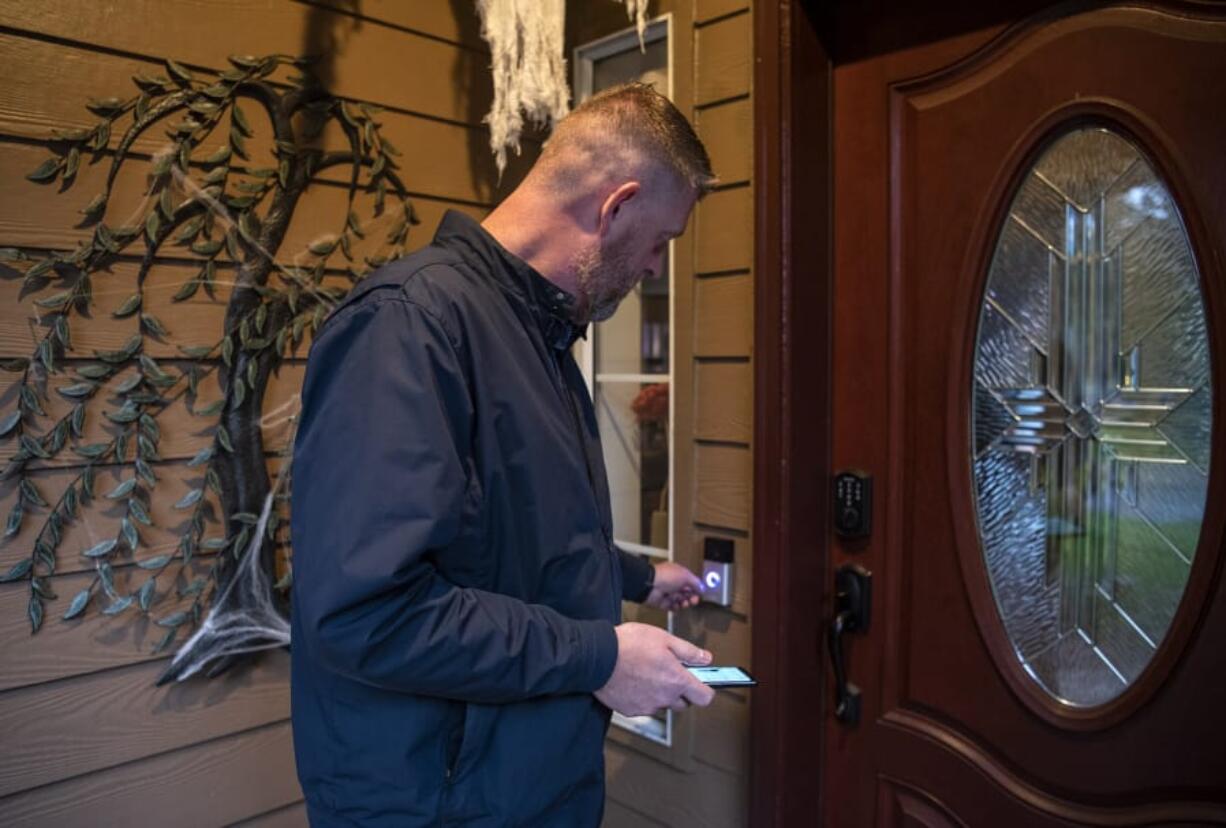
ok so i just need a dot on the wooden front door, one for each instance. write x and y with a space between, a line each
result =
1029 359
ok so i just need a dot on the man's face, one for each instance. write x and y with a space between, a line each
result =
610 269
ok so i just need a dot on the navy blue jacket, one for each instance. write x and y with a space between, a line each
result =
456 584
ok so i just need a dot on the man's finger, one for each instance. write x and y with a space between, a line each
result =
698 694
687 652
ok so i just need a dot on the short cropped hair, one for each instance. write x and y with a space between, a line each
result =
627 127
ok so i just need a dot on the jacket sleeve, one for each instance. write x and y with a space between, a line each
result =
380 477
635 573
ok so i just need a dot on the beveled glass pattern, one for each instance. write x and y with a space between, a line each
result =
1091 416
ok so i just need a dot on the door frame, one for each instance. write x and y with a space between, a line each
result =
791 432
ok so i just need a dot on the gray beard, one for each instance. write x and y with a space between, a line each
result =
599 279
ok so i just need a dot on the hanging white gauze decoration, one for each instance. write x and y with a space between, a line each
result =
525 38
637 10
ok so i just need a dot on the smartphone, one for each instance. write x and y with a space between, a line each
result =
723 676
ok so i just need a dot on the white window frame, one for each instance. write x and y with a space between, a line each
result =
585 56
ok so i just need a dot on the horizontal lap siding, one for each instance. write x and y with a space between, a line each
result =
88 738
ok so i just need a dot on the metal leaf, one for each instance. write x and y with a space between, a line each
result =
72 162
78 419
122 490
55 300
155 563
35 613
46 171
130 536
10 422
119 605
95 370
153 325
18 571
79 602
190 499
13 525
32 494
194 588
145 472
207 247
175 619
33 447
166 640
223 437
129 382
77 389
145 596
240 121
178 72
101 550
96 206
153 223
222 154
137 510
93 451
212 408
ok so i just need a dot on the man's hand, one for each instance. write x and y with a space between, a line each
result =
675 588
650 673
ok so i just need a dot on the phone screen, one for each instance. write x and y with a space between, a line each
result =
723 676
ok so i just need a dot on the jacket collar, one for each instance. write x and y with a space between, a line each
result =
550 305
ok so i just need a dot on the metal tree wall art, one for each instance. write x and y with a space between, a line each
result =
232 156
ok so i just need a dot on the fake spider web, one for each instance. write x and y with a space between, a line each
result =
526 50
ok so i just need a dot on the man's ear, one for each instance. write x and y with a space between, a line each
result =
613 204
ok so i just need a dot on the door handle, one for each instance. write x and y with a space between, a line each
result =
853 593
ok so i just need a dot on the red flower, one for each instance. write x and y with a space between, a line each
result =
651 404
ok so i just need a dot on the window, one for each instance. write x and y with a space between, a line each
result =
627 360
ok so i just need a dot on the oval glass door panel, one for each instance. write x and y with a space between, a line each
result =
1092 416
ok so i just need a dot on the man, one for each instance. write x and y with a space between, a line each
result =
457 593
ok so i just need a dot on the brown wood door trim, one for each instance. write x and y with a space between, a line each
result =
791 358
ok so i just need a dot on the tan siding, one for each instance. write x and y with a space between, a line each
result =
617 815
723 325
727 635
202 786
705 10
458 165
725 231
371 62
727 132
707 796
722 51
118 716
723 401
441 20
721 738
291 816
721 497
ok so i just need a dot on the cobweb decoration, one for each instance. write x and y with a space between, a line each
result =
637 10
526 49
526 43
243 619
